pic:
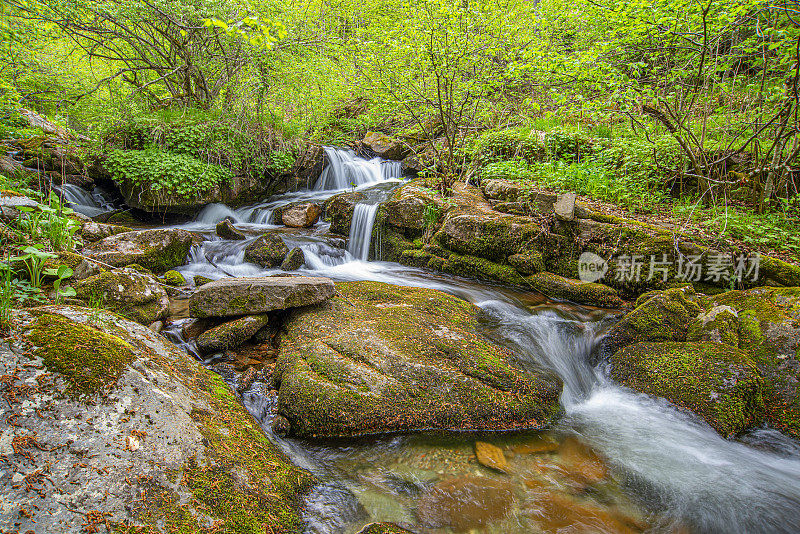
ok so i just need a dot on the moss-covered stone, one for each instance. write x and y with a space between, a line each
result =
130 293
158 250
174 278
665 316
774 271
231 334
200 280
383 358
294 260
593 294
90 360
339 211
481 269
720 324
269 250
719 383
527 263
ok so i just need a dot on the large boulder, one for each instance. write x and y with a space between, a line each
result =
158 250
125 427
269 250
384 146
301 216
768 328
231 297
578 291
135 295
719 383
382 358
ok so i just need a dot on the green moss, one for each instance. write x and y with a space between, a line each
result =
482 269
555 286
779 271
174 278
201 280
718 382
269 250
89 359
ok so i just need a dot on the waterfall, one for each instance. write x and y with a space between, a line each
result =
361 230
88 203
345 170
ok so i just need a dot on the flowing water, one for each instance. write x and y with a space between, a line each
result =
617 461
90 203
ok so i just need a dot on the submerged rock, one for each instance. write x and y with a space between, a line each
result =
385 359
269 250
301 216
147 411
490 456
466 503
719 383
158 250
247 296
231 334
131 293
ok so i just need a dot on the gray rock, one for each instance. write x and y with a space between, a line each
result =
94 231
247 296
565 206
158 250
119 453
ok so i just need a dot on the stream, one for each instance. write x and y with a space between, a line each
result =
617 461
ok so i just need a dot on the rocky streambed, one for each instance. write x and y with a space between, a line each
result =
250 376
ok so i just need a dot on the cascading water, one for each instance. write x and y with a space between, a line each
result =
88 203
345 170
361 230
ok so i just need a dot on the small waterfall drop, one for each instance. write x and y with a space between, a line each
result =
345 169
361 230
88 203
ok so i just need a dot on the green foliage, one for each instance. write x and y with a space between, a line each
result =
34 258
511 143
166 172
281 161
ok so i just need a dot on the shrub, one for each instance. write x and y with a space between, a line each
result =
166 172
513 143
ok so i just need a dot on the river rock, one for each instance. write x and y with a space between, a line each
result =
226 230
578 291
158 250
719 383
94 231
294 260
231 334
269 250
128 292
490 456
527 263
147 411
301 216
384 146
465 503
382 358
200 280
247 296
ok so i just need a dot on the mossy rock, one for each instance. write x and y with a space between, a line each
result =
185 442
200 280
294 260
339 211
128 292
231 334
718 382
481 269
94 231
174 278
720 324
383 528
769 331
774 271
269 250
589 293
158 250
527 263
486 236
665 316
89 359
381 358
